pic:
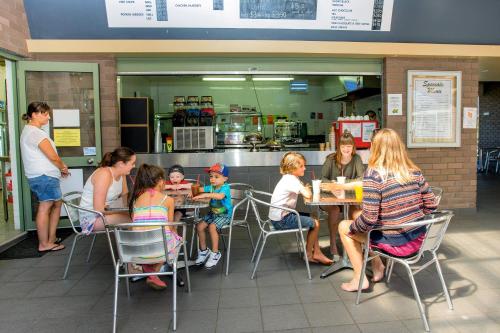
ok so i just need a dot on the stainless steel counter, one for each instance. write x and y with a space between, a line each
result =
234 158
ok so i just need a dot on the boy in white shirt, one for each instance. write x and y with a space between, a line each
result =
285 194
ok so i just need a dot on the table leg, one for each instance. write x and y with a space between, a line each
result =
344 262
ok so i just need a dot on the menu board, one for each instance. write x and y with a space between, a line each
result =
434 109
362 15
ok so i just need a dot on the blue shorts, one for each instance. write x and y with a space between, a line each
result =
46 188
220 220
289 221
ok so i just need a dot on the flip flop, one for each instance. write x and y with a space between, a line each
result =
58 240
365 290
53 249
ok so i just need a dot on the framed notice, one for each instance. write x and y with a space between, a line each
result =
433 107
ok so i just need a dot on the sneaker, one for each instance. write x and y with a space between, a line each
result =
154 282
213 259
202 256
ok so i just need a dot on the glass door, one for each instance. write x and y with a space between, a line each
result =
72 90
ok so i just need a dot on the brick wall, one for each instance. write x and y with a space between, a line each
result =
489 126
107 92
453 169
13 27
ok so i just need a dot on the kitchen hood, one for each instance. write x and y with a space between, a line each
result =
350 88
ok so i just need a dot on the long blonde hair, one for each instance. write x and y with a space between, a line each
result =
389 157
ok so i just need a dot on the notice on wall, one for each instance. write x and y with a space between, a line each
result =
66 118
470 118
361 15
434 109
394 104
368 129
67 137
353 128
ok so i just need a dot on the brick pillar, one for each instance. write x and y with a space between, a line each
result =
453 169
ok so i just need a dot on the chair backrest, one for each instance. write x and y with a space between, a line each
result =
258 201
71 203
437 223
239 198
143 245
438 192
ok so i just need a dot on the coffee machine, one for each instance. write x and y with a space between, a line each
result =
288 132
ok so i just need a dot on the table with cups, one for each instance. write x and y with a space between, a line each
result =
323 195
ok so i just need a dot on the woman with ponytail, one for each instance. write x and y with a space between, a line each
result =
104 186
43 168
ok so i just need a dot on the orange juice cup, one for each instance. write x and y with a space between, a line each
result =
195 189
358 191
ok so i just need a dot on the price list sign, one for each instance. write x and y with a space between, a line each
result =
361 15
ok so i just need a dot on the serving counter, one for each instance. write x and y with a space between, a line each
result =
236 158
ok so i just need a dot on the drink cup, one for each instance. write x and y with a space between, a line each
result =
341 179
322 146
316 184
341 194
195 189
358 191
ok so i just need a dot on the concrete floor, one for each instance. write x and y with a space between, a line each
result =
281 298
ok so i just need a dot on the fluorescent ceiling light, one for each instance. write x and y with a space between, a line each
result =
272 78
224 79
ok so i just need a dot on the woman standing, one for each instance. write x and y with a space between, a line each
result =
105 185
43 168
344 162
394 192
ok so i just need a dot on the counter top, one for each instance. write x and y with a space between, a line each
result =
236 158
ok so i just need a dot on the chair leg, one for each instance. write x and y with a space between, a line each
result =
250 236
191 246
186 265
174 296
417 298
70 256
361 274
127 283
91 247
115 305
443 283
258 257
228 249
299 247
303 243
390 271
256 247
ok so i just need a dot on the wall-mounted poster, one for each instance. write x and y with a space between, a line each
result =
433 118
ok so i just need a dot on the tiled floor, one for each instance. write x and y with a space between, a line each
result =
34 298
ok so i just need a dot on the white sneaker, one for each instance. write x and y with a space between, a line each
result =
213 259
202 256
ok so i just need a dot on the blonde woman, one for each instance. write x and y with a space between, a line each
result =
394 192
344 162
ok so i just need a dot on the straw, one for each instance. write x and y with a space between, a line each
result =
312 174
198 180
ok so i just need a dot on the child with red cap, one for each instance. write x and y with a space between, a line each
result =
219 215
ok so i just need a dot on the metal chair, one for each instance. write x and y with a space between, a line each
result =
438 193
71 202
491 156
436 225
267 229
238 199
146 243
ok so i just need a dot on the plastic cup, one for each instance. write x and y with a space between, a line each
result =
316 186
195 189
358 191
341 179
322 146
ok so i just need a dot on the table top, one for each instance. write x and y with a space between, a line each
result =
181 198
329 199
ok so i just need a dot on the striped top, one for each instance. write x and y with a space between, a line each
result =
386 202
151 214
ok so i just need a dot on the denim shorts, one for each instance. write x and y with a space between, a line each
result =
46 188
289 221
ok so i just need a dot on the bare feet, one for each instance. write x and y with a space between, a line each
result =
52 247
352 285
378 271
321 258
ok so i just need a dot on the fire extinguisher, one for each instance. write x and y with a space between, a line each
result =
8 181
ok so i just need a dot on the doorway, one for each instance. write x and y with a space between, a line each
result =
9 230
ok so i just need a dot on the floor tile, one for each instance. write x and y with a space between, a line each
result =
276 295
317 293
239 320
284 317
327 314
241 297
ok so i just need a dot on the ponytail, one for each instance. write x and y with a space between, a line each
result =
35 107
121 154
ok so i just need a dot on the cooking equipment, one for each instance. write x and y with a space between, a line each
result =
273 145
287 132
194 138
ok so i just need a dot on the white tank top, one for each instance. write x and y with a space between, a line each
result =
114 191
